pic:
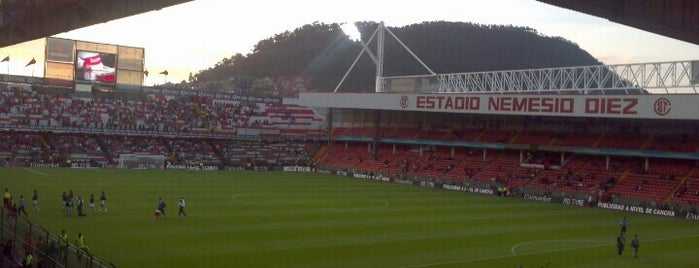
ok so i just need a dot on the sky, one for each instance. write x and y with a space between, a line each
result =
194 36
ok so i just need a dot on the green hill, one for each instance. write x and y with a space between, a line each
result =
324 53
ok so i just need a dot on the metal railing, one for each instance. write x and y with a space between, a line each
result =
20 237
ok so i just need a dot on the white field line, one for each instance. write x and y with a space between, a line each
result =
35 171
538 252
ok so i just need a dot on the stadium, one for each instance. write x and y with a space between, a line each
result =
515 168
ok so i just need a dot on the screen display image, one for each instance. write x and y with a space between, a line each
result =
95 66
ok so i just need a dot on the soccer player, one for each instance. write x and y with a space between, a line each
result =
103 202
35 200
64 200
92 202
161 206
22 206
181 204
624 223
635 243
620 242
69 206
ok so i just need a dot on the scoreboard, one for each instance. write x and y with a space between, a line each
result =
91 64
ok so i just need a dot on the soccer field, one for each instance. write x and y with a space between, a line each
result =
284 219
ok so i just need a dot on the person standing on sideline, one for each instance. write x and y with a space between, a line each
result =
161 206
620 243
624 223
28 260
92 202
80 243
80 202
64 200
69 206
22 206
181 204
103 202
635 243
35 200
63 247
7 199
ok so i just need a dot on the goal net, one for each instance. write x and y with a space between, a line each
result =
141 161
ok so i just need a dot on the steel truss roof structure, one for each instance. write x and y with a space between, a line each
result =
657 77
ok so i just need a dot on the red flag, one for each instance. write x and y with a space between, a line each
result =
31 62
145 73
164 72
6 59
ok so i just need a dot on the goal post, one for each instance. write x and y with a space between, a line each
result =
141 161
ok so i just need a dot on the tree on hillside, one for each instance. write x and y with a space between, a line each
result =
324 53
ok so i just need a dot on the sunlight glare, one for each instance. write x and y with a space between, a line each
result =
351 31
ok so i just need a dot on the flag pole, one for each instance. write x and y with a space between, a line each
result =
165 73
31 62
7 59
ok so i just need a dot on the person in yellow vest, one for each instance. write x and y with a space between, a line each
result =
80 243
28 260
7 198
63 245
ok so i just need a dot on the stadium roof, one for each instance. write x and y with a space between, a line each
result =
678 19
24 20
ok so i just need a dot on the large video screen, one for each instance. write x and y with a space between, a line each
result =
95 66
60 50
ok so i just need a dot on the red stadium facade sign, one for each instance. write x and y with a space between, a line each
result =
531 104
676 106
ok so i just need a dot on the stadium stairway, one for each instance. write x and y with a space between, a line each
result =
201 116
321 154
197 109
216 148
46 142
171 155
417 134
622 177
514 137
599 140
648 142
105 149
679 185
480 134
43 141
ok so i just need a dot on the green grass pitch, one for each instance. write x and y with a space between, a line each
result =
280 219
